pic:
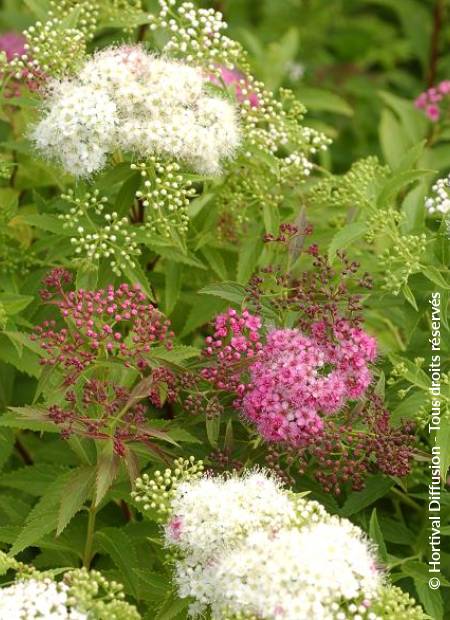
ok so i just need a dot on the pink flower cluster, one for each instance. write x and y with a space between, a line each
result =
110 322
299 378
13 44
236 338
233 77
287 385
430 100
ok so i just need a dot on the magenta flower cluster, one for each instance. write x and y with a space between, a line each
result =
297 379
430 100
287 385
236 339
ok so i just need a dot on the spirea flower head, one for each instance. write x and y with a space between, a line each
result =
210 514
126 99
439 201
31 599
79 128
431 100
313 572
80 595
246 548
298 378
295 379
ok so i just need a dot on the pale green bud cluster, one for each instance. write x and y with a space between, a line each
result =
402 260
381 221
166 194
100 599
392 603
358 188
52 49
110 237
154 493
196 35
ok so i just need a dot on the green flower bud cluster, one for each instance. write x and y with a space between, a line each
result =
358 188
402 260
100 599
196 35
106 236
382 220
394 603
166 194
86 13
52 49
155 493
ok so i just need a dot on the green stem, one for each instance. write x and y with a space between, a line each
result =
406 499
87 556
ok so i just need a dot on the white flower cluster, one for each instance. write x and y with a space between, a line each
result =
110 237
125 99
31 599
439 202
248 549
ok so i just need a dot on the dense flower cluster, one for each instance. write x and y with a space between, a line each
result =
439 202
357 441
357 188
277 148
80 595
430 101
32 599
126 99
248 549
116 322
299 387
105 326
196 35
295 379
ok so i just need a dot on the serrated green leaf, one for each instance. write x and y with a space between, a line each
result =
7 440
399 181
376 535
174 275
33 479
430 599
117 544
76 490
249 254
230 291
43 518
436 276
13 304
215 260
375 488
106 471
136 275
29 418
